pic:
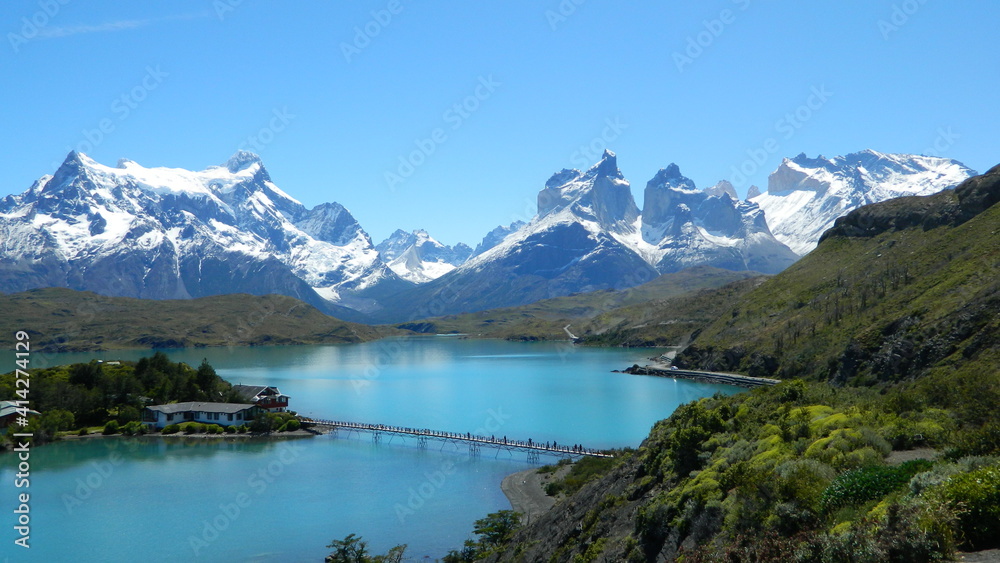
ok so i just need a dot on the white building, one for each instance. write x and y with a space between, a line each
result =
223 414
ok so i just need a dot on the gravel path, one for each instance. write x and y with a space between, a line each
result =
526 491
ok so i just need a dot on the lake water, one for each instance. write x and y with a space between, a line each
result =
284 500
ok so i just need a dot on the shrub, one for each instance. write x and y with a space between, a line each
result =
127 414
869 483
213 429
975 497
133 428
171 429
83 432
194 428
110 428
230 430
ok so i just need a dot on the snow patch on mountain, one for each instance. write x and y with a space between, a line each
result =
168 232
806 195
418 258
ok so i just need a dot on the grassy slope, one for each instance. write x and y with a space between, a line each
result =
863 309
902 309
587 313
64 320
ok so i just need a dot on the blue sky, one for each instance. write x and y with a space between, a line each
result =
483 101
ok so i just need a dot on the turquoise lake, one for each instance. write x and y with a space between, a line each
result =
181 499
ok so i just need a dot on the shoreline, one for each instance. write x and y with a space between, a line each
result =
701 376
525 491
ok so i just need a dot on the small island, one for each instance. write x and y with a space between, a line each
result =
152 395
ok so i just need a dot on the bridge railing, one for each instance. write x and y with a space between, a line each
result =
467 437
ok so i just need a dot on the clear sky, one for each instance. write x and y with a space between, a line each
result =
483 101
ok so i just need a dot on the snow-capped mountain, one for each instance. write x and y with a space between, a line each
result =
496 236
589 235
806 195
165 233
419 258
682 227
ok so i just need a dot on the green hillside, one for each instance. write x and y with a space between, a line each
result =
66 320
896 290
886 447
586 313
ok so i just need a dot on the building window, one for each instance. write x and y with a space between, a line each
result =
230 417
188 415
239 416
170 417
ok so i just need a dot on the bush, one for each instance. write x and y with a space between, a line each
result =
110 428
194 428
293 425
83 432
127 414
230 430
134 428
975 497
213 429
859 486
171 429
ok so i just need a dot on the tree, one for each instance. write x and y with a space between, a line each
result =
206 379
353 549
88 375
497 528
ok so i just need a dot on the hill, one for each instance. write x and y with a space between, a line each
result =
886 449
589 314
895 290
62 320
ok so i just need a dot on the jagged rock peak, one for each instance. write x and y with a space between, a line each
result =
563 177
241 160
608 166
671 177
753 192
724 187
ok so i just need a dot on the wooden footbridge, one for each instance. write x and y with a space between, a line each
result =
475 443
